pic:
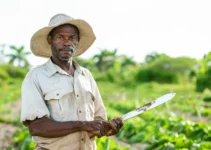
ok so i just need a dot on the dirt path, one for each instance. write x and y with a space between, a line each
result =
6 135
7 130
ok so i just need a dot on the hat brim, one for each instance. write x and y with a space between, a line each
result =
40 46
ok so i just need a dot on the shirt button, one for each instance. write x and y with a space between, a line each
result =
77 95
57 94
79 111
82 139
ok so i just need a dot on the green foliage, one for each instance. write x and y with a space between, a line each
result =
3 72
123 70
87 63
3 75
16 72
207 98
159 128
106 143
164 69
9 93
153 56
10 89
204 74
105 59
161 132
8 71
181 65
109 60
203 81
149 74
23 140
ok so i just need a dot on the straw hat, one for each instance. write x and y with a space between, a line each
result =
39 44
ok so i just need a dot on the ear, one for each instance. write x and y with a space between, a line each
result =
49 39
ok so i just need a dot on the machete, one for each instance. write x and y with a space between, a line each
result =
148 106
144 108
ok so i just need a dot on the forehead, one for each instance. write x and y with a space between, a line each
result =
66 28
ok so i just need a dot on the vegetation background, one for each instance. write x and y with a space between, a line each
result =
182 123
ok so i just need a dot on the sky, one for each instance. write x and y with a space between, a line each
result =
134 27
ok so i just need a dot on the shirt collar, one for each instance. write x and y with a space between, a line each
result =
53 68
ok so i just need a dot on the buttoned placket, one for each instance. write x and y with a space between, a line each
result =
77 95
79 111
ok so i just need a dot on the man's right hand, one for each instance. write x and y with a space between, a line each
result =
104 128
97 128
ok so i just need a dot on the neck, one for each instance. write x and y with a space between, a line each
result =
65 65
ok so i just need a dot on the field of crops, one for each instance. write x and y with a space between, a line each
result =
182 123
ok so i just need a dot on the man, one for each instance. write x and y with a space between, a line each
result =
61 103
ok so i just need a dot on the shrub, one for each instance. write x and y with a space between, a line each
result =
149 74
16 72
7 70
207 99
203 74
203 81
3 75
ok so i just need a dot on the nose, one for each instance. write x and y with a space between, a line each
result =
67 42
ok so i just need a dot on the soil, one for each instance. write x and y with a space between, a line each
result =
6 135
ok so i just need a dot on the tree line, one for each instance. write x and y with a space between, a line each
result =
109 66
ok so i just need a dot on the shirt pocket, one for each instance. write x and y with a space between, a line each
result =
56 100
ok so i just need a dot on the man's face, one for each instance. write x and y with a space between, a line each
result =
64 41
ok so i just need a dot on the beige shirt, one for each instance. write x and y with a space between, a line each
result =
49 91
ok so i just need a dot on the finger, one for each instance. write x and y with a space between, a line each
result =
114 126
99 129
104 128
118 122
109 133
107 127
107 124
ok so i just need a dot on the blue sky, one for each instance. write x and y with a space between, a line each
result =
134 27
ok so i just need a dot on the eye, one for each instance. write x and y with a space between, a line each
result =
74 37
59 37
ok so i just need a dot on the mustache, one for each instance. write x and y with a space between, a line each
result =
70 48
66 49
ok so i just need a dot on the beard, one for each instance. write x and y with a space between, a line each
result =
71 50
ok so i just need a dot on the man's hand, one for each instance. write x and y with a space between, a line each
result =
116 124
97 128
102 128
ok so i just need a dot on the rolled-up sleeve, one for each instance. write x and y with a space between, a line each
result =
33 105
